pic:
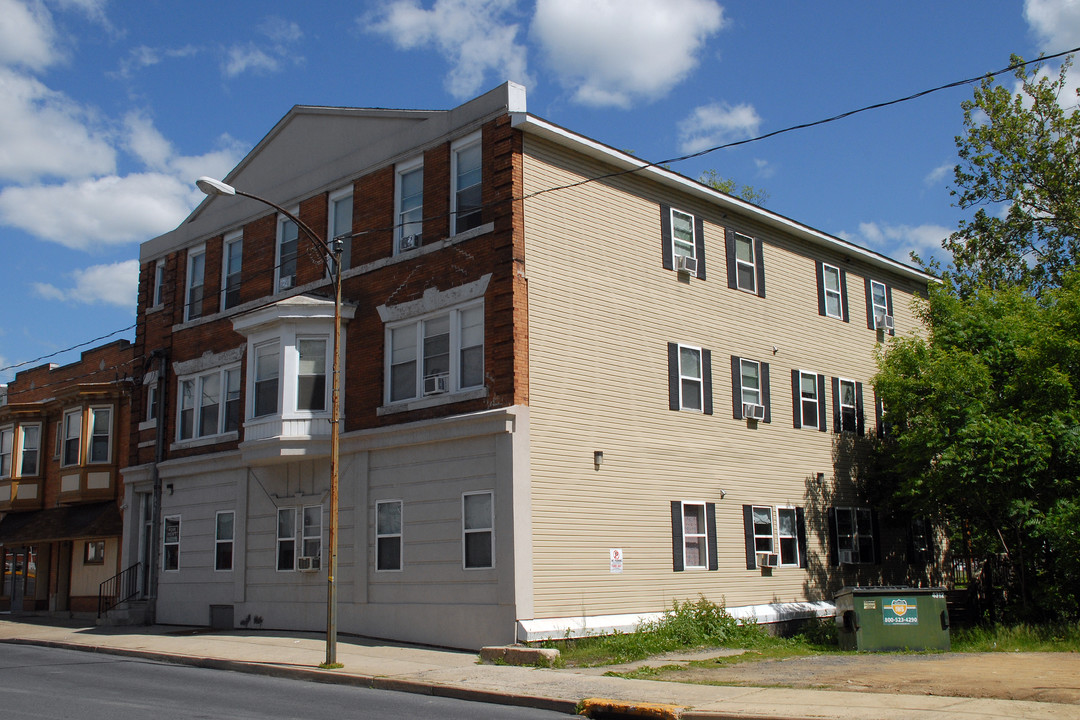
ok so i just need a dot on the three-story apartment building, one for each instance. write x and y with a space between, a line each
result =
576 387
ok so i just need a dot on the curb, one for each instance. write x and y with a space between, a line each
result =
608 708
332 677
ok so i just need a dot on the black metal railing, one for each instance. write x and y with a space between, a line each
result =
119 588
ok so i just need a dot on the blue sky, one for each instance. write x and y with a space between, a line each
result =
110 110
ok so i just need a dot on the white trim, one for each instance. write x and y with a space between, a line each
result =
693 233
21 448
700 379
825 267
854 402
562 136
456 147
9 431
231 238
179 537
466 531
819 399
779 549
199 251
703 533
404 168
219 541
400 535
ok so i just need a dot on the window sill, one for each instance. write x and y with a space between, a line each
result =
431 401
204 441
155 309
147 425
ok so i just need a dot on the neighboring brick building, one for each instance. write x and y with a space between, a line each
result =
63 439
531 347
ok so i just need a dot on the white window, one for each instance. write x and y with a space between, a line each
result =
58 440
466 175
763 529
72 438
833 291
196 272
478 529
340 219
409 201
311 374
388 535
285 263
854 534
100 435
223 540
170 555
286 539
682 234
267 372
750 380
312 535
847 401
879 299
438 353
745 263
209 404
7 444
159 283
29 451
690 378
809 408
695 536
151 402
787 533
232 257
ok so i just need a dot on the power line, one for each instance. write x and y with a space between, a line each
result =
61 352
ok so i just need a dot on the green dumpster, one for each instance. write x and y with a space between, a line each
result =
876 619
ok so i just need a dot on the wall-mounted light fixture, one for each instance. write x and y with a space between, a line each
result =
597 459
723 494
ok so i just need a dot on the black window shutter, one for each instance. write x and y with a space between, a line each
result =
796 399
699 242
877 537
888 304
673 375
843 296
869 305
748 536
838 422
706 381
736 387
676 537
710 530
729 247
665 236
820 288
834 554
765 391
800 530
822 412
860 425
759 262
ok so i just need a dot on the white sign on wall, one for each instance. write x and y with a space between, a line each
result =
616 560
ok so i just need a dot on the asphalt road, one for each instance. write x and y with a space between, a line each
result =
49 684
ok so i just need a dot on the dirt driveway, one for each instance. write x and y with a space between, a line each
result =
1045 677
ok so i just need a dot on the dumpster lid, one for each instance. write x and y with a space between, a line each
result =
886 589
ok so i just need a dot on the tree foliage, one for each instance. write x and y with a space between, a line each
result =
983 430
1020 170
749 193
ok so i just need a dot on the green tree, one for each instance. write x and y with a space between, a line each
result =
749 193
1020 170
983 431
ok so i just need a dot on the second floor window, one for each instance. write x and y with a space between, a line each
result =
287 245
193 303
437 354
7 443
311 375
209 404
30 450
100 435
341 211
159 283
72 437
466 195
267 372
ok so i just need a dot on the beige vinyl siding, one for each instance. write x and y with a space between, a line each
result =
601 311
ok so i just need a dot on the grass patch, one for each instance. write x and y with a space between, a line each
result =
1053 637
331 666
691 624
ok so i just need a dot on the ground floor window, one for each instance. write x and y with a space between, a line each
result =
171 546
478 528
94 553
388 535
223 540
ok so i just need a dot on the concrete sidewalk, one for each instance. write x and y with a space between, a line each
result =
449 673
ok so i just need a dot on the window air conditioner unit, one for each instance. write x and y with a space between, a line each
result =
436 384
846 557
884 322
285 283
409 242
684 264
307 563
752 411
767 560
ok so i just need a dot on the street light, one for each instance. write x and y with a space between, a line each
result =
214 187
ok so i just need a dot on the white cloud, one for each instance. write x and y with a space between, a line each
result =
899 241
114 284
260 59
937 175
143 56
45 133
1055 22
614 53
765 169
27 35
473 35
717 124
